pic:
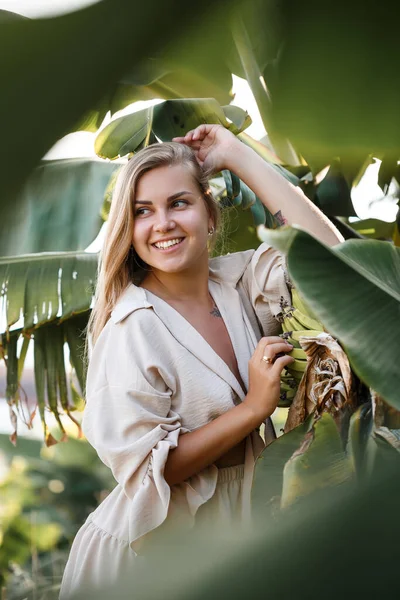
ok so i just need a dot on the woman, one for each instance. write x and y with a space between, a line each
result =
186 361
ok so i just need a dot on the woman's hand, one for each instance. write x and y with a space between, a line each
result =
213 146
264 376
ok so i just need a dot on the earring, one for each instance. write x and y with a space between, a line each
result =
211 231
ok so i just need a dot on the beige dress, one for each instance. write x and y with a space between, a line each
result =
153 377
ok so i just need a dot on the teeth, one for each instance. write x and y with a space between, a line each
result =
168 244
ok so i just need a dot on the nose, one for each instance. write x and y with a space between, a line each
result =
164 222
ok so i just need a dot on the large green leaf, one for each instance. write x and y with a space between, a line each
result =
339 109
165 120
322 548
253 65
177 71
59 62
58 209
42 287
354 289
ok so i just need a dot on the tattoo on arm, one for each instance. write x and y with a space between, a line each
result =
280 219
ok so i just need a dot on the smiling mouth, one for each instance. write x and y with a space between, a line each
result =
164 246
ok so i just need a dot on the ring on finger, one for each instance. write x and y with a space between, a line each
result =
267 359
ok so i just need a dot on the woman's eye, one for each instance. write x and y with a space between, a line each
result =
181 202
140 211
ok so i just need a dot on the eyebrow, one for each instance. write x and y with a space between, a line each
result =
169 199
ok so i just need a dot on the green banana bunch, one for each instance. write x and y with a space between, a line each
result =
297 321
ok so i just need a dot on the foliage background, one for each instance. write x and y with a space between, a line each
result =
335 97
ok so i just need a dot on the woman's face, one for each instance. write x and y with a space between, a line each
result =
171 220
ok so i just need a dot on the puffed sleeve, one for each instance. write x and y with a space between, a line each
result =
130 422
266 282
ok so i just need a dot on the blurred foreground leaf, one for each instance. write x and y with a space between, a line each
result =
58 210
58 60
306 541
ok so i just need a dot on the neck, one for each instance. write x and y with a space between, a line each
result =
190 285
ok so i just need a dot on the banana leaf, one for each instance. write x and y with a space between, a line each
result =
254 73
337 115
164 81
64 86
319 462
268 474
58 209
333 193
374 228
388 170
164 121
55 393
354 289
361 447
40 288
307 540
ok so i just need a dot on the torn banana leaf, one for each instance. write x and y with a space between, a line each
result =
40 288
53 393
52 390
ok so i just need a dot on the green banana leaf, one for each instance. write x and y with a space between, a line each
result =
163 121
268 473
338 114
361 446
388 170
55 392
333 193
253 70
63 86
41 288
58 209
354 289
374 228
319 462
238 116
336 525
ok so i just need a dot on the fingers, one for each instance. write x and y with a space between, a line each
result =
265 342
273 349
199 133
282 362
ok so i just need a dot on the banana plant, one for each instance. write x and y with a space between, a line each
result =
358 303
164 121
52 293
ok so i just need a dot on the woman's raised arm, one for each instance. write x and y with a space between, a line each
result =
217 148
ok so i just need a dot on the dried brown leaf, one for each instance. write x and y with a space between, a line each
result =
326 385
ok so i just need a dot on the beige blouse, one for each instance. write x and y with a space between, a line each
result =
152 377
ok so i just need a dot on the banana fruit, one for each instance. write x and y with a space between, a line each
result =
297 321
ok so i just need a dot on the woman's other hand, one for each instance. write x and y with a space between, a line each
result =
213 146
265 367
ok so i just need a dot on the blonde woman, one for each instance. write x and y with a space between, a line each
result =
186 357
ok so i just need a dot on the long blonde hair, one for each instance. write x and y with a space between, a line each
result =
119 264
